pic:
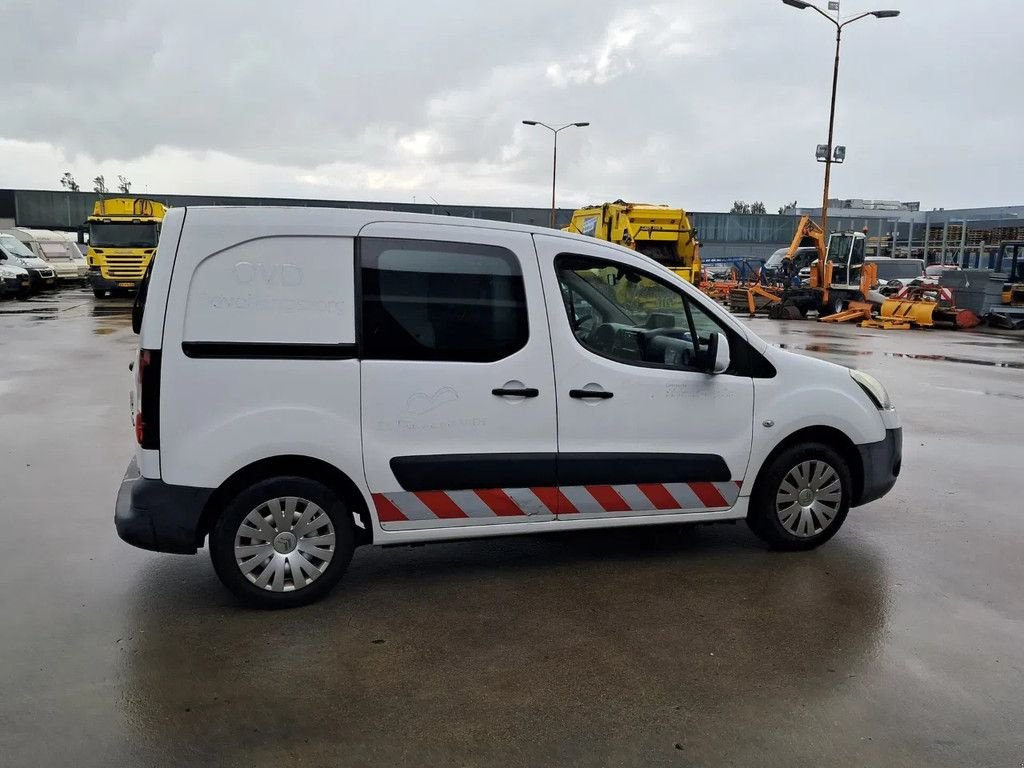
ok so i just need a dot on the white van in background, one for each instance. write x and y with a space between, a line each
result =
309 380
56 249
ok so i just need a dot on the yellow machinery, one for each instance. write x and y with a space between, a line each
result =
922 306
123 233
1010 262
837 276
662 233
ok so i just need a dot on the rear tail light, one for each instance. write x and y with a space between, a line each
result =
147 399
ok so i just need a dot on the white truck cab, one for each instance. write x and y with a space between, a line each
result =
309 380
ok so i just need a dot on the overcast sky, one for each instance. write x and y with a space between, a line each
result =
691 103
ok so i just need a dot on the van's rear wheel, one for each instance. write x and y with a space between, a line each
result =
282 542
802 498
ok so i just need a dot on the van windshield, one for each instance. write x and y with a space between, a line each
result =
15 247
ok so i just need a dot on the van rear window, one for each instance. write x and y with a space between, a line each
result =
429 300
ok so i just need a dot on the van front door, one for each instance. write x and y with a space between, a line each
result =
642 429
458 398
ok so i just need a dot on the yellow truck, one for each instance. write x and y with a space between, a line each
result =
662 233
123 233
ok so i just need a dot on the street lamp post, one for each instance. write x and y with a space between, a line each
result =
801 5
554 156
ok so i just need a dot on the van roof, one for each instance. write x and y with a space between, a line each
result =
348 221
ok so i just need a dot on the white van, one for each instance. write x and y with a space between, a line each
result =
309 380
57 250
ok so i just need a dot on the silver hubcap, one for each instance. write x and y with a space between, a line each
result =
808 498
284 544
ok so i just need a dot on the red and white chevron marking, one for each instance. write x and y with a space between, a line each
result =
567 500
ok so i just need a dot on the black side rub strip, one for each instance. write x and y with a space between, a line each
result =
453 472
629 468
244 350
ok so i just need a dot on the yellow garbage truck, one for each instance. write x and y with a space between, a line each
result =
662 233
123 233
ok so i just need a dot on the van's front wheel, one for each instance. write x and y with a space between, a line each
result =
802 498
282 542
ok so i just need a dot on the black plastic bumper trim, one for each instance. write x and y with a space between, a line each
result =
882 462
151 514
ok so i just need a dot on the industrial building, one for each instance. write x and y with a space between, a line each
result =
968 236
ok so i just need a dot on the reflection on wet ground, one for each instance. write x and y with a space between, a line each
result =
837 349
897 644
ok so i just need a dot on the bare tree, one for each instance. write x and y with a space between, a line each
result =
123 184
757 207
99 184
68 182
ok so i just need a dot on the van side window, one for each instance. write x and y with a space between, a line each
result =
628 316
429 300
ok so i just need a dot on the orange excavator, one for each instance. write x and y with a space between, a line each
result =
838 274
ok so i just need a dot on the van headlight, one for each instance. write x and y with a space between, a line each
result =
873 387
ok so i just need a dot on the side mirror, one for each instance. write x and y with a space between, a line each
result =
717 355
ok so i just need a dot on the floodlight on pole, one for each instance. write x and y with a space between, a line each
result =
831 153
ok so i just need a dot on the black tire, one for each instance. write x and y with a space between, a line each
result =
835 305
99 293
766 519
222 542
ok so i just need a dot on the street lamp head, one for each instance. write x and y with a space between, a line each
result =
885 14
798 4
581 125
529 122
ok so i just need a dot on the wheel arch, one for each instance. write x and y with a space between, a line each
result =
301 466
833 438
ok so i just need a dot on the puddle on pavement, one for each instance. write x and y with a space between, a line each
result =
23 309
983 392
833 349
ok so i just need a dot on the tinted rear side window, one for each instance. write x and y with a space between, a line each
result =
431 300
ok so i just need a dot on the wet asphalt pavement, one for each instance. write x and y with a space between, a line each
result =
899 643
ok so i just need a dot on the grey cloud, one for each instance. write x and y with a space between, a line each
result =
693 103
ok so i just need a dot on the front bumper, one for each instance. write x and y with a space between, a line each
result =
41 283
15 285
882 462
150 514
100 283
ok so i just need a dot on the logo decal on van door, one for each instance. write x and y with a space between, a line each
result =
420 402
287 275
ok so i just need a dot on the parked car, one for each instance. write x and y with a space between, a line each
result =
56 250
312 379
14 281
14 253
896 274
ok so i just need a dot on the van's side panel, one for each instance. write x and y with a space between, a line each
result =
258 354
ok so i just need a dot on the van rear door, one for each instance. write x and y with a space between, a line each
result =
458 401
